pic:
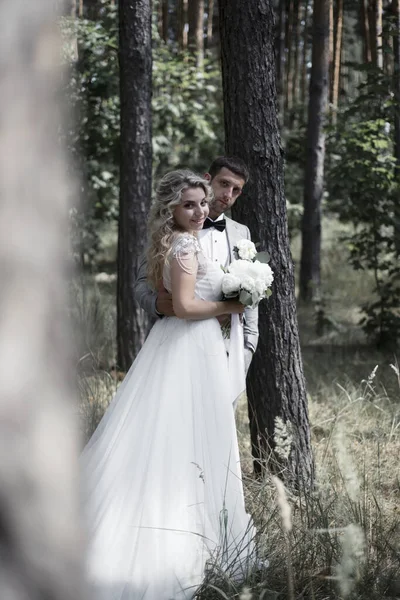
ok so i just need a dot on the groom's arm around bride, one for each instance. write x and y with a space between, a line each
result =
227 176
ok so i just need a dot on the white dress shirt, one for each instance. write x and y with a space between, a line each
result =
214 244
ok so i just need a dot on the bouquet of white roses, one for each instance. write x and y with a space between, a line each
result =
249 277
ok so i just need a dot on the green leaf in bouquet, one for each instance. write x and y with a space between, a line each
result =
263 257
245 298
268 293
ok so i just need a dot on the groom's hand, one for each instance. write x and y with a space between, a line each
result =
164 302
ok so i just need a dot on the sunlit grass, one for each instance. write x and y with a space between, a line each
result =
344 539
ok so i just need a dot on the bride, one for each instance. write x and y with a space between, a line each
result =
161 474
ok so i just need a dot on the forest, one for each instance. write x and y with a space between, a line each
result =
307 93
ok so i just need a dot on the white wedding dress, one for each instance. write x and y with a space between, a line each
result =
161 475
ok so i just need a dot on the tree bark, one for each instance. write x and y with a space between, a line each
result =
210 18
296 65
276 384
280 57
163 20
40 533
135 188
303 85
372 22
182 22
337 60
396 88
314 172
379 39
196 30
289 63
365 31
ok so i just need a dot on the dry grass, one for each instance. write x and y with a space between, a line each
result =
344 539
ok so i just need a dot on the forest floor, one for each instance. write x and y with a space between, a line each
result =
345 535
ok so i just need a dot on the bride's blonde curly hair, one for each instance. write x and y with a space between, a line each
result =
161 224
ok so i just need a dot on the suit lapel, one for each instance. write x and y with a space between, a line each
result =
233 235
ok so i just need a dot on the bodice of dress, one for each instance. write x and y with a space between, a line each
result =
187 251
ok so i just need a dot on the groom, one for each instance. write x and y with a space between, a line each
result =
227 176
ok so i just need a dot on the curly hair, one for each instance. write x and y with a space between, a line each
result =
161 224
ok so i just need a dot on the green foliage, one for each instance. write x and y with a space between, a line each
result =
363 191
187 117
295 159
187 111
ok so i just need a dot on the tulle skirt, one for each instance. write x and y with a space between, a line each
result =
161 475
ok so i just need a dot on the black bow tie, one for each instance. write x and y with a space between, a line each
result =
219 225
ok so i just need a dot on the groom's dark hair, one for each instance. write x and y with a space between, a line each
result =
234 164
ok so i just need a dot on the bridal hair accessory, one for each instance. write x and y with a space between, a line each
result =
249 277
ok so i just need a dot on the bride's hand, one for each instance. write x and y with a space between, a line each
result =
234 307
224 319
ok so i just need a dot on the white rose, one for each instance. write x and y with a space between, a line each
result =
248 284
263 271
246 249
239 268
260 286
230 284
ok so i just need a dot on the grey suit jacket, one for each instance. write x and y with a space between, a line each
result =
146 297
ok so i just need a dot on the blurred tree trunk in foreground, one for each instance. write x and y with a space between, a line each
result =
310 268
135 188
276 386
39 523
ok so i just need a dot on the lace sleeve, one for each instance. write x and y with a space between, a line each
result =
184 250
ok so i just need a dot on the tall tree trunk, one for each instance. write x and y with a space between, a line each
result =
182 20
296 65
276 386
163 19
210 19
280 57
337 60
303 84
289 62
314 172
196 30
366 37
396 88
379 39
135 188
331 42
40 536
372 22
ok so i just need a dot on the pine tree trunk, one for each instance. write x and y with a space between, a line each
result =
165 20
196 30
314 173
372 22
276 386
162 18
379 39
135 184
337 60
303 84
366 38
289 63
181 23
210 19
40 529
331 44
280 57
296 66
396 88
